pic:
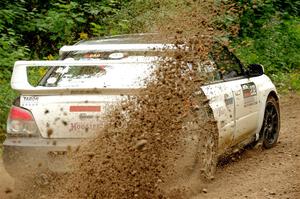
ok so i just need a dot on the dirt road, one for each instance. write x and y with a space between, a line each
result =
273 173
6 183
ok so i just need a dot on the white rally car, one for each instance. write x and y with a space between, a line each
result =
69 101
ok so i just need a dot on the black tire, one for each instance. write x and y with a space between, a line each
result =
271 124
208 158
205 158
205 161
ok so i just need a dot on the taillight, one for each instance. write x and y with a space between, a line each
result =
21 122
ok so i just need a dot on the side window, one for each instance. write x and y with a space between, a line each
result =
228 65
211 70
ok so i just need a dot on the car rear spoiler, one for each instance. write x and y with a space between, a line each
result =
115 48
19 80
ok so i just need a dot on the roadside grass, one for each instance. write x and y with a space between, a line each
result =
287 82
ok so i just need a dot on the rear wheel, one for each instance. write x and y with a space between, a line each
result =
199 155
208 161
271 124
206 132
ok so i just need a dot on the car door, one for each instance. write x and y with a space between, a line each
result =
247 107
221 101
244 92
222 104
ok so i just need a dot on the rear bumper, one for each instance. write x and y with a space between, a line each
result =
25 155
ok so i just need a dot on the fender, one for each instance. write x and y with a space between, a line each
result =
265 88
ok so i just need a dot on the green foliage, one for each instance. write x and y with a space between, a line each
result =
287 81
276 47
256 14
45 26
6 98
35 74
270 35
37 29
10 51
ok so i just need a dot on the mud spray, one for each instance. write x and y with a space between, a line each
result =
155 144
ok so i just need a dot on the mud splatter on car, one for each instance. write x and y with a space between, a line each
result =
160 143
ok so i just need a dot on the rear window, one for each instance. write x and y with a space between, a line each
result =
123 75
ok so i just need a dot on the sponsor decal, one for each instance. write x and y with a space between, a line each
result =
28 101
83 116
77 126
92 55
249 94
85 109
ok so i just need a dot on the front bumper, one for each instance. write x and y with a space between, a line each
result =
26 155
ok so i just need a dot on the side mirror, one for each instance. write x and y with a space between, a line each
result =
255 70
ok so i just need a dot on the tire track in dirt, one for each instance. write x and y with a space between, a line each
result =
272 173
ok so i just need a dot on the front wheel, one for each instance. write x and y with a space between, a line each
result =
271 124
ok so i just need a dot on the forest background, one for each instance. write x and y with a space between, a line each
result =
269 33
